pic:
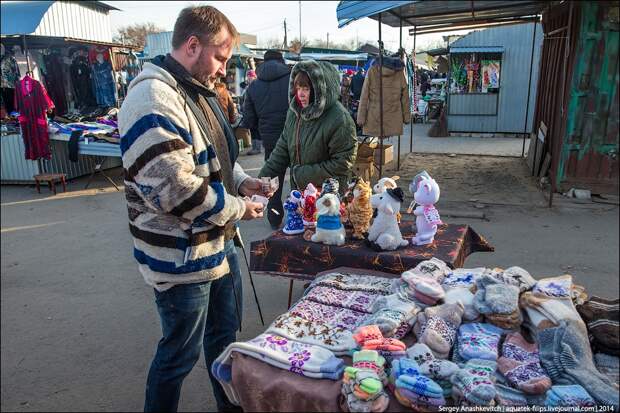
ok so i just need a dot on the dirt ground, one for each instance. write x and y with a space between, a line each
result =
468 178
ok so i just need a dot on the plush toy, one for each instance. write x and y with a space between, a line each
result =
384 231
308 203
359 211
380 187
294 222
332 186
426 196
329 229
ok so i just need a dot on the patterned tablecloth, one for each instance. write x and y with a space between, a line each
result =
293 257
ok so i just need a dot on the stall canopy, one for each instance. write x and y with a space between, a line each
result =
429 16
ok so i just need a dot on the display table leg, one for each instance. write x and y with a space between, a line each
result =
290 294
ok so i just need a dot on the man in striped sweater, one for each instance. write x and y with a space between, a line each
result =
182 185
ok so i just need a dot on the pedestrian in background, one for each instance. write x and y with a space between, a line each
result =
264 108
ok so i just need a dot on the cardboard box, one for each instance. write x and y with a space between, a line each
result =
365 170
365 150
388 154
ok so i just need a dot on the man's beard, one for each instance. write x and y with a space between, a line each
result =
201 74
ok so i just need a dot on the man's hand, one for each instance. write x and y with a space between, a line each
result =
253 210
253 186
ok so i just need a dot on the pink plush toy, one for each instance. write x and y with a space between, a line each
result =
427 216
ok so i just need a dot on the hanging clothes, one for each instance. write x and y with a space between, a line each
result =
94 51
413 101
10 71
32 102
395 99
103 83
82 83
54 80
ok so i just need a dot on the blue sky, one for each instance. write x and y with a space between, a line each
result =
264 19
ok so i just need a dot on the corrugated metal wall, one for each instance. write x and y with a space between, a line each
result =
514 75
158 43
81 20
16 169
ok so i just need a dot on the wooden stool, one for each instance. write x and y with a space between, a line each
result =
51 180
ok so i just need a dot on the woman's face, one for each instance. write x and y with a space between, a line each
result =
303 94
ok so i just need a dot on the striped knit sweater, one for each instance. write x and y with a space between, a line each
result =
176 201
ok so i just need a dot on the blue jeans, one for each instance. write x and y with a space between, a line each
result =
193 316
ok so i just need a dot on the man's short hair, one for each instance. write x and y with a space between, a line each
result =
273 55
204 22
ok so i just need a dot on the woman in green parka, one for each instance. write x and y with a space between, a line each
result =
318 140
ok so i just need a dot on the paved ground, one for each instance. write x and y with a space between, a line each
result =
79 326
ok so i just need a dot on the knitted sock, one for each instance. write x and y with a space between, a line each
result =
389 321
384 344
367 380
478 340
424 299
566 355
356 282
507 396
553 309
516 276
397 303
429 365
475 381
407 375
569 396
441 326
368 332
493 296
465 297
462 278
426 285
602 319
424 403
434 268
505 321
609 366
520 363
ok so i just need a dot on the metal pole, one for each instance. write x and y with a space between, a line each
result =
380 100
300 43
401 54
529 87
414 95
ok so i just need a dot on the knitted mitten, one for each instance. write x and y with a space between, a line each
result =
465 297
478 340
494 297
367 380
475 381
462 278
506 321
370 360
395 302
426 285
368 332
405 374
520 363
418 402
518 277
601 317
507 396
429 365
441 326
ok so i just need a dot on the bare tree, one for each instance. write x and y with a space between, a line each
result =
270 43
135 34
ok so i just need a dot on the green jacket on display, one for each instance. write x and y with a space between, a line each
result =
318 141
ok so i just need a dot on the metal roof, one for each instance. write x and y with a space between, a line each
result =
427 13
23 17
477 49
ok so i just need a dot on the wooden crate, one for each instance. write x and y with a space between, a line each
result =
388 154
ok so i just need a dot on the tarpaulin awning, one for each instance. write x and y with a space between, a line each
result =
478 49
427 13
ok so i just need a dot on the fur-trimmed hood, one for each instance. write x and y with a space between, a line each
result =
325 84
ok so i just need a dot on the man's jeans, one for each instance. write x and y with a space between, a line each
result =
275 202
193 316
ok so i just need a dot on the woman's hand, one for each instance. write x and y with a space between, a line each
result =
253 186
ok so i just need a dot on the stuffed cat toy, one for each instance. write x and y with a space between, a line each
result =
426 196
329 229
359 211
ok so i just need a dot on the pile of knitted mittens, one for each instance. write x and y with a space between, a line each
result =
437 327
413 389
460 285
393 314
371 338
497 296
362 383
439 370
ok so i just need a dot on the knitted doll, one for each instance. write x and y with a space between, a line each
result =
308 203
359 211
294 222
329 229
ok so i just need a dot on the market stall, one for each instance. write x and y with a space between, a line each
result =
62 78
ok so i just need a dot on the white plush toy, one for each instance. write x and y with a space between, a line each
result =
426 196
385 183
329 229
384 230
